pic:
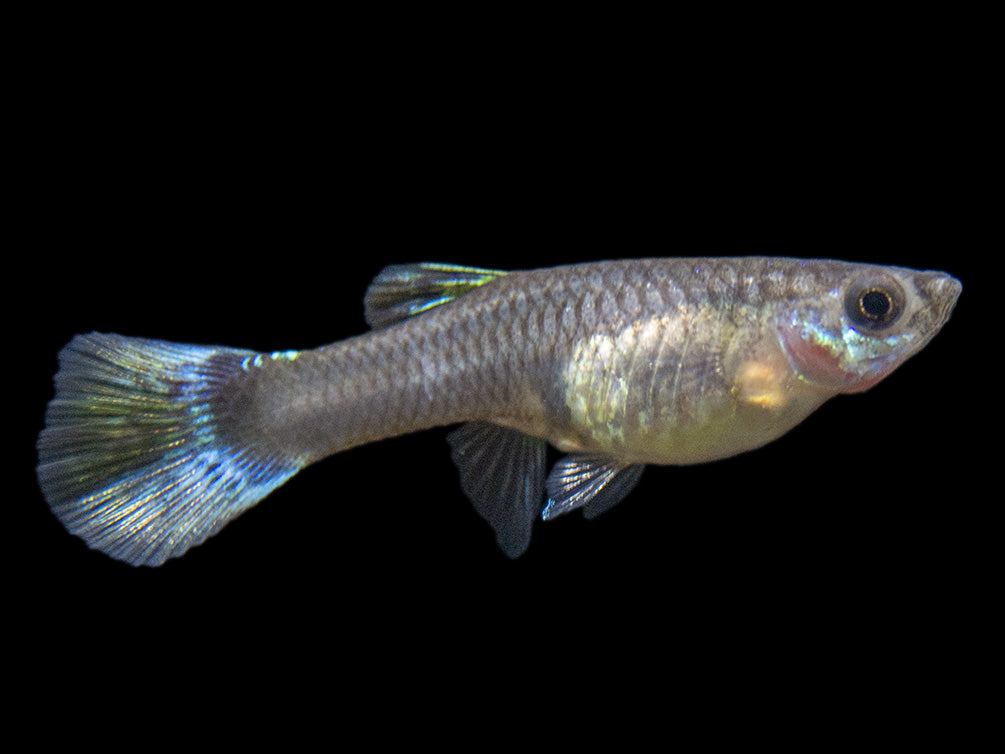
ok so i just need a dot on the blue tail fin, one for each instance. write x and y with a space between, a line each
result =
136 459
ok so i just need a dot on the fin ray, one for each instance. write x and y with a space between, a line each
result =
132 458
404 290
594 483
502 473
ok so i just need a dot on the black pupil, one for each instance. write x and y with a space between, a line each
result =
875 304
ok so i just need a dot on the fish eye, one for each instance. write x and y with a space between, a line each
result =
874 304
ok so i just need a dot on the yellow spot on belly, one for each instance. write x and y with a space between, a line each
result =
761 384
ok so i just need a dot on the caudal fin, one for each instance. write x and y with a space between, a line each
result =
133 457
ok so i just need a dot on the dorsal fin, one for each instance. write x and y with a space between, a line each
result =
404 290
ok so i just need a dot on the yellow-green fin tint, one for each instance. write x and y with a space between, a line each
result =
404 290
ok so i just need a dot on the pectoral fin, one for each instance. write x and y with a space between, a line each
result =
502 473
596 482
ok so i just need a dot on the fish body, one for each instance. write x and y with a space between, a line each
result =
150 447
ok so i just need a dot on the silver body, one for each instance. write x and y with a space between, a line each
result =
669 361
150 447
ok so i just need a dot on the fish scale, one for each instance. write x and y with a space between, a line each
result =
151 447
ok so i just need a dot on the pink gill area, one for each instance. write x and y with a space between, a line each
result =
820 366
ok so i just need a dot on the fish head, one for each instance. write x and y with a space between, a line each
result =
856 323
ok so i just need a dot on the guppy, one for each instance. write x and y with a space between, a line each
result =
150 447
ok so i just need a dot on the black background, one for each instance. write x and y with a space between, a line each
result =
249 204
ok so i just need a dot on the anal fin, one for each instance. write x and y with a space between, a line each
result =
594 483
502 473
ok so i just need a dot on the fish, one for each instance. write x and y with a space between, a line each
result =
150 447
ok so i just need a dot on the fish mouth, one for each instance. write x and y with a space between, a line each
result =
939 292
947 290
